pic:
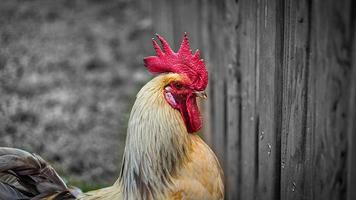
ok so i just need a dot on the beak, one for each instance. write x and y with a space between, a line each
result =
201 94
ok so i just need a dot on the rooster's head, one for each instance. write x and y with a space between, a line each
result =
188 80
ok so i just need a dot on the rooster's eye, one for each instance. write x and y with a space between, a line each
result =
178 85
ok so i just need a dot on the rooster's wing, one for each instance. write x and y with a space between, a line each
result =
27 176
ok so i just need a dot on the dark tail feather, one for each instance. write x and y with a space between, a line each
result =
27 176
10 192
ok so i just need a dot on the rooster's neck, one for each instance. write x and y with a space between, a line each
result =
157 144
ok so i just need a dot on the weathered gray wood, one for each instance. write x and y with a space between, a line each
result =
269 66
281 92
186 18
218 79
172 19
295 143
351 182
206 46
247 45
328 94
233 104
162 19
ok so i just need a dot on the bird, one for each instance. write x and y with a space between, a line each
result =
164 157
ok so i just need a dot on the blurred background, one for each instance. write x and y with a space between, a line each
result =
69 72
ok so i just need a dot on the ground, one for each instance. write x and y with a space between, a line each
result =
69 72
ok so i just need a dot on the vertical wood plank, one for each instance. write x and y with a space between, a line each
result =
233 135
270 37
186 18
329 82
249 97
162 19
295 148
217 77
351 183
206 46
233 104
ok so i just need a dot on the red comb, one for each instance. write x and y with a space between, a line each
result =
182 62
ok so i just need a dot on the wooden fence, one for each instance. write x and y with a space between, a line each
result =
281 114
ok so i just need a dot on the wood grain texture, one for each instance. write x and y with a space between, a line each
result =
351 183
248 44
162 19
206 49
233 111
186 18
269 67
218 59
281 109
295 143
328 93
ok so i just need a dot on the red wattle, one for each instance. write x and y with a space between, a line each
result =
193 119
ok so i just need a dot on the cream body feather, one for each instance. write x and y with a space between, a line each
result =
161 159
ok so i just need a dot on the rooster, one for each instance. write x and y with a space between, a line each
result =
164 158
